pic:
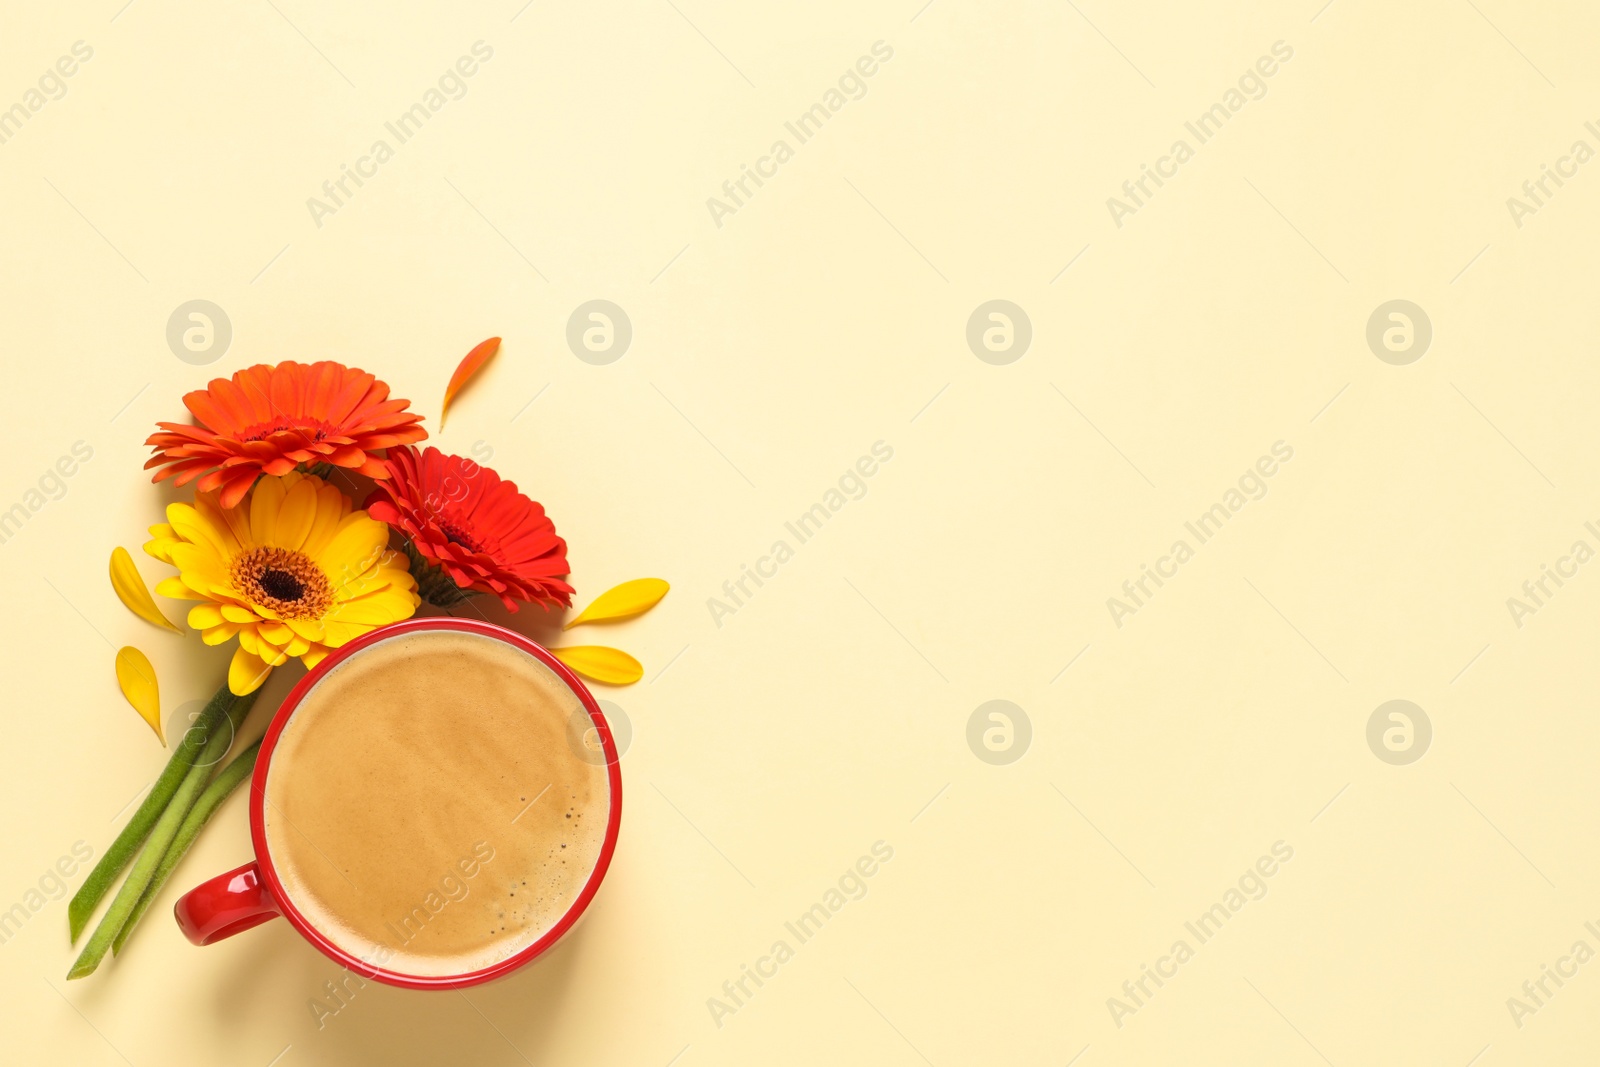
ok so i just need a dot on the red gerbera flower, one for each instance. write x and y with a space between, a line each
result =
270 420
469 531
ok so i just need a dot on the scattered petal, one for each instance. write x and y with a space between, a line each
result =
132 591
467 368
137 679
609 666
623 601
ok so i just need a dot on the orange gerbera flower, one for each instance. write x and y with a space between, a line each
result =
270 420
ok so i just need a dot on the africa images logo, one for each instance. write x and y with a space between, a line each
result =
737 191
1203 128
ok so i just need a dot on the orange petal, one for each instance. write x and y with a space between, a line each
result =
468 367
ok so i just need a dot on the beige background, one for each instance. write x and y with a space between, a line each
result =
829 313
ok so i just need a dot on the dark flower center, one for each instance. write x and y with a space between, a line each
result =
281 585
457 536
285 581
262 431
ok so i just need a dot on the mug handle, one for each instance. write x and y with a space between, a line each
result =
226 905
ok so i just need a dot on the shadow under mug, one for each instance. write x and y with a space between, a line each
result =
253 894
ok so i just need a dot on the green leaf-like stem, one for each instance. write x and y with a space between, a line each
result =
221 787
161 837
155 803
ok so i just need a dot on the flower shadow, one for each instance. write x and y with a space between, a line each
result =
531 621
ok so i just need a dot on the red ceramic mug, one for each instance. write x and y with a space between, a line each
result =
253 894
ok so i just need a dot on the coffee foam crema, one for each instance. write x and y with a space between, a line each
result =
428 807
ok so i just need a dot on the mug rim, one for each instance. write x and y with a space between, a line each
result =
291 703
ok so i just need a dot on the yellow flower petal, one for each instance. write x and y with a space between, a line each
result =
217 635
205 616
310 629
330 511
234 613
297 515
611 666
379 609
275 633
161 538
351 582
175 589
623 601
246 673
339 633
137 680
132 591
233 521
199 526
354 549
374 580
199 588
266 499
199 561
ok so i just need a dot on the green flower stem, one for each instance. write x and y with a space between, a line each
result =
221 787
166 828
434 584
138 828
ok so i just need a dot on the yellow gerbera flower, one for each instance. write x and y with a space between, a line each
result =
292 571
